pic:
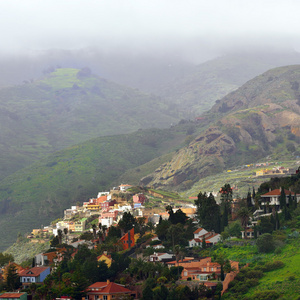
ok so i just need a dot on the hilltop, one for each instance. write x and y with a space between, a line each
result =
196 91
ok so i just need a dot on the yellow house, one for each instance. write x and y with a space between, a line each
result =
36 231
106 258
93 207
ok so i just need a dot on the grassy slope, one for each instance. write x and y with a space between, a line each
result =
38 194
279 279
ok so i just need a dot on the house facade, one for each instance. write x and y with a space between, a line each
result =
201 234
34 275
272 198
127 240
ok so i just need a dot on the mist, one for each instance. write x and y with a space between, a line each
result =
124 40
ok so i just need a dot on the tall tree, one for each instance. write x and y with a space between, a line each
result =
282 198
249 200
12 279
127 222
208 212
226 194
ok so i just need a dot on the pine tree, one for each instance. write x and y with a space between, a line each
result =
12 279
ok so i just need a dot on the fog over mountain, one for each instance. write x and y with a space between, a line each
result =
164 37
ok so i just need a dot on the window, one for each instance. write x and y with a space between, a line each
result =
104 297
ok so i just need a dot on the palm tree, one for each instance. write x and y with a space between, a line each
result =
243 214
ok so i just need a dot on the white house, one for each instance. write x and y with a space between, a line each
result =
159 257
199 232
211 238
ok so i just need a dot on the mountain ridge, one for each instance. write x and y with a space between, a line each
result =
261 117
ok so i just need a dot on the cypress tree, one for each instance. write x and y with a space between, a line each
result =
282 198
277 221
290 200
249 200
225 217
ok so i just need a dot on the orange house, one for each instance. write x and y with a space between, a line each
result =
128 240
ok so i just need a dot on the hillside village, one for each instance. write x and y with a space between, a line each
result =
120 240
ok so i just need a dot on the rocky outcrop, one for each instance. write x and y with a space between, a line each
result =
252 121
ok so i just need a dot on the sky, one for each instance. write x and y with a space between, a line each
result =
186 26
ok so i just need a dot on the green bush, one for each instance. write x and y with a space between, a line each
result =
265 243
252 282
272 265
266 295
254 274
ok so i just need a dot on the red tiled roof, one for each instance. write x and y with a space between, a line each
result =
198 230
114 288
180 261
97 285
276 192
108 288
12 295
33 272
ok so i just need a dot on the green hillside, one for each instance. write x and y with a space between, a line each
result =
39 193
261 119
66 107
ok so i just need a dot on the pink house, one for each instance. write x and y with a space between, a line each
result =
139 198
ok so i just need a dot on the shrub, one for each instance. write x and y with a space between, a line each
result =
252 282
254 274
272 265
266 295
265 243
278 250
